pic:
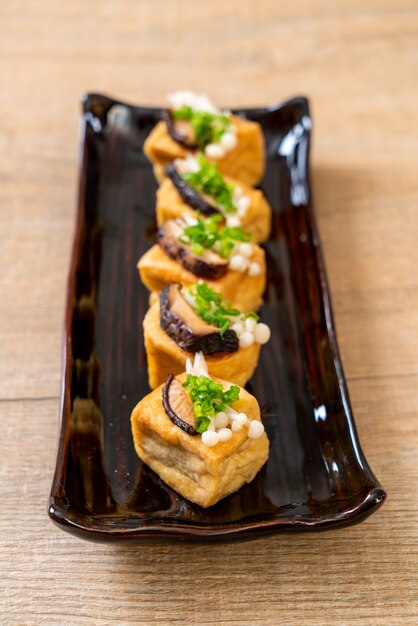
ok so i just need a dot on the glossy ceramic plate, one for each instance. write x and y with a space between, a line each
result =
316 476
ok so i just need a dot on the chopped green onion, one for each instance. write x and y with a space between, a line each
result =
210 181
208 399
208 127
207 233
213 310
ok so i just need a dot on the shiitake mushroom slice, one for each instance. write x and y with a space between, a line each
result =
178 405
188 330
209 265
180 130
189 195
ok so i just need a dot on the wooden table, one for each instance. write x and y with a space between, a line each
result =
358 63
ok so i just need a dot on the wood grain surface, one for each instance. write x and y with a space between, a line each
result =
358 63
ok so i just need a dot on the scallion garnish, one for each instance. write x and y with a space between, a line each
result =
211 308
206 233
210 181
208 127
208 399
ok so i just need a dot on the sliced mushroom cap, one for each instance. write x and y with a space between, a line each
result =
178 405
189 195
188 330
180 130
208 265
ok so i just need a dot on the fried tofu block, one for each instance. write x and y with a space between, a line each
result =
200 473
245 163
165 357
257 220
244 292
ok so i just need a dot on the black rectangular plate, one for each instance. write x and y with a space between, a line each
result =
316 476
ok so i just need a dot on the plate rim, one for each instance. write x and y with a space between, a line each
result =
170 529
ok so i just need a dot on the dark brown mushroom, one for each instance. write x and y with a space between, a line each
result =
209 265
188 330
178 405
180 130
189 195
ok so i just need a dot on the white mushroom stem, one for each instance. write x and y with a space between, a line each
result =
224 434
188 220
214 151
199 367
212 425
210 438
229 140
250 324
235 416
255 429
238 263
242 418
246 249
242 205
231 413
254 269
188 164
238 327
196 101
262 333
221 420
246 339
233 221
